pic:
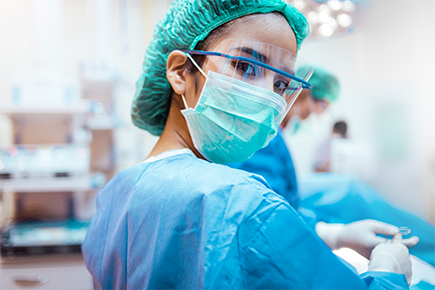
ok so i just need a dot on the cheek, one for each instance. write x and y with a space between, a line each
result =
194 85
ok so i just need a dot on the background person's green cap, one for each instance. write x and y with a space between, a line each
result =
325 85
186 23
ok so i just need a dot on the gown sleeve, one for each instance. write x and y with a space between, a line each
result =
279 251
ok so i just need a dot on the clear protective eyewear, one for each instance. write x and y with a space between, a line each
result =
260 64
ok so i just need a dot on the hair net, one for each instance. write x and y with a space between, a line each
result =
325 85
186 23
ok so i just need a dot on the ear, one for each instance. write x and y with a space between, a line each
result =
175 67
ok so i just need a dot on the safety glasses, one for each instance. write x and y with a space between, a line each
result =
260 64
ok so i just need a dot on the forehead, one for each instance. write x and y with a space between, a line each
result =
271 28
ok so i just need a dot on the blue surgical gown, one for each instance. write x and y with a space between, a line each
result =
181 222
275 164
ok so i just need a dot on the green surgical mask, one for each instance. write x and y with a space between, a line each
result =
233 119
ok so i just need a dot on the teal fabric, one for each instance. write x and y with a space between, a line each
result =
184 223
186 23
325 85
233 119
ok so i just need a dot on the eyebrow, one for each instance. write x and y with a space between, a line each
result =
257 55
261 57
289 71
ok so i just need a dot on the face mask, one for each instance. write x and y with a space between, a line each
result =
233 119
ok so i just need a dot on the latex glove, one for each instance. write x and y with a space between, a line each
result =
392 257
359 236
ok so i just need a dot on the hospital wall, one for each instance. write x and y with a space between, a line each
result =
385 67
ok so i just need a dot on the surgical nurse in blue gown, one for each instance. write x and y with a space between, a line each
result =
217 80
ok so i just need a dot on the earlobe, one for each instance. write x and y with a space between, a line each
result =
175 68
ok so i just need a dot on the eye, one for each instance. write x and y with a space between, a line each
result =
281 85
246 68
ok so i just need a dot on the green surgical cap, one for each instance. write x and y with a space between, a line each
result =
186 23
325 85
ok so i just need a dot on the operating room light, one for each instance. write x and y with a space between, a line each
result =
332 22
313 17
324 7
326 30
335 5
344 20
348 6
323 16
327 18
300 4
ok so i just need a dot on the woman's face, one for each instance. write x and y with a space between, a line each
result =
267 35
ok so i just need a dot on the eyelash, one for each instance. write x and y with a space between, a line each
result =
251 69
246 68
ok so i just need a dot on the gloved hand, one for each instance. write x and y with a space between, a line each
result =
392 257
359 236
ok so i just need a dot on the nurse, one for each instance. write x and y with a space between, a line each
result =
218 78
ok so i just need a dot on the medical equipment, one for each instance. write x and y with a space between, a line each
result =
41 238
29 161
404 231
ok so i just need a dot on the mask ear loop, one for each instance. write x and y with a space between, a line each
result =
200 70
196 65
184 101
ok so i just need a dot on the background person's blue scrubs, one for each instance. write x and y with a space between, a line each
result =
334 197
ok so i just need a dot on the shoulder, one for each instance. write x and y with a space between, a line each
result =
128 176
187 168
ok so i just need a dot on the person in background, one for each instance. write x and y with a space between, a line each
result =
340 129
314 102
322 161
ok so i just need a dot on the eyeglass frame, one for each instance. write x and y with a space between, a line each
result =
305 84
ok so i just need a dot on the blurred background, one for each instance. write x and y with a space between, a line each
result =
67 78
